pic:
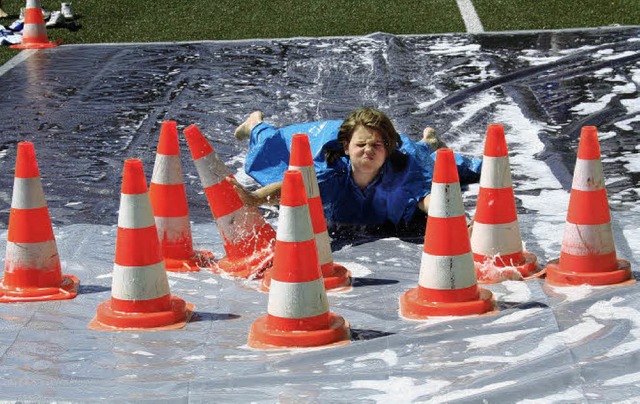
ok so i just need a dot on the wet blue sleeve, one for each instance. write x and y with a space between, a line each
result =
468 167
270 147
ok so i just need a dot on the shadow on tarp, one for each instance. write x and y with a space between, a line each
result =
208 316
365 335
359 282
88 289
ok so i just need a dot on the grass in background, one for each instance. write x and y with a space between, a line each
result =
100 21
505 15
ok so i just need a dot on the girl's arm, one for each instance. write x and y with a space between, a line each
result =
267 195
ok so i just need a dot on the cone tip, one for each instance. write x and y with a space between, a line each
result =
293 192
589 147
495 144
300 151
133 179
445 171
168 143
198 144
26 162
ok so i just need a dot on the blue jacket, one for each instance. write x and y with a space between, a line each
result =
392 197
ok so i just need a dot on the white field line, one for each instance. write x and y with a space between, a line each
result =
471 20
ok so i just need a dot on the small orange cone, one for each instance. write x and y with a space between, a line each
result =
140 296
496 242
335 276
34 33
170 208
447 285
588 253
298 311
32 266
248 238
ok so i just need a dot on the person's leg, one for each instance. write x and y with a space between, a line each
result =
430 137
243 131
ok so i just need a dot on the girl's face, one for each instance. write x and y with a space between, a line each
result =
366 151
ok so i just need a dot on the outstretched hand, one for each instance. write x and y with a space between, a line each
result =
247 197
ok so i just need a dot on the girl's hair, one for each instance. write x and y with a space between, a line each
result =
371 119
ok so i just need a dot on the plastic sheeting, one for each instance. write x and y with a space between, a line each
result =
87 108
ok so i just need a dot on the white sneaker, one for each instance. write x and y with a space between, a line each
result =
55 20
45 14
67 13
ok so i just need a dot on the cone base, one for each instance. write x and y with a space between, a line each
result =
414 308
252 267
110 319
556 276
68 289
37 45
338 281
261 336
486 272
201 259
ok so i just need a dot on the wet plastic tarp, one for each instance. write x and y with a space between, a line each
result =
88 108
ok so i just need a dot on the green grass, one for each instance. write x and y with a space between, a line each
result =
100 21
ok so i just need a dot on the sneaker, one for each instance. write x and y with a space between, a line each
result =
46 14
21 14
66 11
56 19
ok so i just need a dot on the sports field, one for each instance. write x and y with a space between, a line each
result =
154 21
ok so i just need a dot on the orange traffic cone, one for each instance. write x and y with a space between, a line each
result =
335 276
298 312
447 285
496 242
170 208
34 33
248 238
140 296
32 266
588 253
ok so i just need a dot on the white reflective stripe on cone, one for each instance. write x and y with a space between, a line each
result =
139 283
310 180
297 300
323 245
492 239
495 172
167 170
32 30
211 170
27 193
33 4
173 228
135 211
42 255
294 224
587 175
240 224
585 239
447 272
446 200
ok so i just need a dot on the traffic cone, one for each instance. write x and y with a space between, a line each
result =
170 208
496 242
32 266
248 238
588 252
140 296
447 285
34 32
335 276
298 312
